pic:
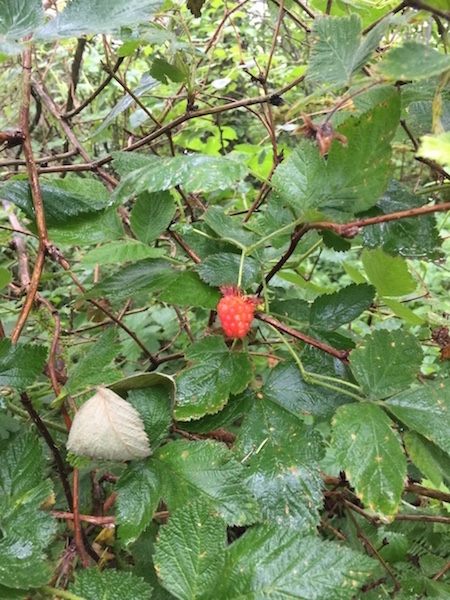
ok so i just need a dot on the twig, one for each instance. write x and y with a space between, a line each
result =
103 521
77 521
94 95
351 229
42 428
340 354
368 545
36 196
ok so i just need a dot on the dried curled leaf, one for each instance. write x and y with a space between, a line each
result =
323 132
108 427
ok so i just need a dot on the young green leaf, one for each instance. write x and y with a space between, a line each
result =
386 362
217 373
371 456
191 575
389 274
121 252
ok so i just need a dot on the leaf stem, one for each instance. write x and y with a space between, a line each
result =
47 590
317 378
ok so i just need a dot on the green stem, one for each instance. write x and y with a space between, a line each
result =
51 591
316 378
265 239
241 269
23 413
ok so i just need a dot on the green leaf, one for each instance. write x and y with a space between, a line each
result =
188 290
403 312
436 147
20 364
411 238
386 362
146 85
22 564
332 310
92 584
222 268
389 274
26 530
206 471
205 387
339 50
154 404
138 493
229 230
429 458
282 455
163 71
5 277
61 207
151 215
276 562
413 61
353 178
194 172
371 455
425 409
286 387
96 228
121 252
103 17
191 575
18 20
92 368
144 276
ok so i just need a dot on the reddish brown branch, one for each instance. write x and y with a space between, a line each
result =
351 229
340 354
77 521
44 432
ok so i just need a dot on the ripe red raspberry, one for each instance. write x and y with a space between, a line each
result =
236 312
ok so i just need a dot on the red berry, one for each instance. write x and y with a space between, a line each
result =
236 312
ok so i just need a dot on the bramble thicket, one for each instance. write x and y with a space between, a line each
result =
225 271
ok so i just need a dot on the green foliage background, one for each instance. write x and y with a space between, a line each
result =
153 152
